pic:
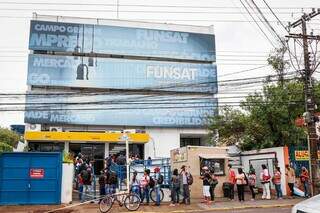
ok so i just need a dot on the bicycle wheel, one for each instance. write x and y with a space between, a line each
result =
132 202
153 195
106 204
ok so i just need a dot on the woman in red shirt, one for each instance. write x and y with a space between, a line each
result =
304 177
277 182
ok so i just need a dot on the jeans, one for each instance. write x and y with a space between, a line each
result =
136 189
278 190
80 191
240 192
186 194
266 191
306 188
291 186
231 192
157 189
252 192
175 191
86 193
110 189
145 194
212 187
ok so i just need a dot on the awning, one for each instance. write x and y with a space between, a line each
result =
214 156
85 136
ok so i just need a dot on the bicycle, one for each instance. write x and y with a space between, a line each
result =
153 194
130 200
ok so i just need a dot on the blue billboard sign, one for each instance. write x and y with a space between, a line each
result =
116 40
125 110
68 71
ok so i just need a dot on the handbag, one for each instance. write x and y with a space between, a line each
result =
255 190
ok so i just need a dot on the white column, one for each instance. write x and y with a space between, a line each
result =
106 150
66 146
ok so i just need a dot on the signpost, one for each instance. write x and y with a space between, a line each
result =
125 138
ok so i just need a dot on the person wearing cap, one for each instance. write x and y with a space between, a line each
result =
158 179
184 176
205 176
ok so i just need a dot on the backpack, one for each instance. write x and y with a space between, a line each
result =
85 175
151 182
160 180
175 181
189 179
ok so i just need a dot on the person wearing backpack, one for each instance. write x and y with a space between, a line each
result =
144 187
87 180
265 181
158 179
175 188
186 180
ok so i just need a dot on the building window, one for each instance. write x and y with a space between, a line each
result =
45 147
190 142
216 165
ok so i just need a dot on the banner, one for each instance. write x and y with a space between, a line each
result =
120 109
116 40
69 71
303 155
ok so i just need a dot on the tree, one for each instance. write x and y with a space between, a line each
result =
265 119
8 139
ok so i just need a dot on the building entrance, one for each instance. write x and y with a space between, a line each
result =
92 152
120 148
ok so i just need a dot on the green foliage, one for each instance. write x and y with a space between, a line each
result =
9 137
5 147
67 157
265 119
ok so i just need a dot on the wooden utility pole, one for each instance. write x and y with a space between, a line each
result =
309 98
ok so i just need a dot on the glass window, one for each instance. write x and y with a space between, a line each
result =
213 164
189 142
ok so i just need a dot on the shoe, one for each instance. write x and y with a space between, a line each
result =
172 204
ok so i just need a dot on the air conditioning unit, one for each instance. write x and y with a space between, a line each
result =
33 127
55 129
130 131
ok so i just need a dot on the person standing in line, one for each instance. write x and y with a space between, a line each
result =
206 184
277 182
213 184
291 178
265 181
252 179
135 185
232 181
304 177
102 183
241 182
158 179
175 188
186 179
113 181
87 181
80 182
144 187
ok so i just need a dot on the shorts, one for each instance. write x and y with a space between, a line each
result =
206 191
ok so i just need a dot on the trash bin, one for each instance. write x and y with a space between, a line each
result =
226 189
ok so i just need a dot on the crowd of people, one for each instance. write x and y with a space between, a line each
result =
240 180
181 181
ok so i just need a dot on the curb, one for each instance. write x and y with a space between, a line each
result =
224 208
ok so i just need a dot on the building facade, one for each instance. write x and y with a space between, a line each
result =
108 76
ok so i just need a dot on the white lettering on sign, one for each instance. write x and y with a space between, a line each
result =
54 62
49 40
171 72
56 28
162 36
177 121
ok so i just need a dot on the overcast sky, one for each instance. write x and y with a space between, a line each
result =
240 44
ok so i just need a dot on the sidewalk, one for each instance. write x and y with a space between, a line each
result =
196 206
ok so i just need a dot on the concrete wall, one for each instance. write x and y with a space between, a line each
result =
67 182
270 153
165 139
193 166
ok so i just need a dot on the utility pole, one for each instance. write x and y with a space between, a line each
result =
309 98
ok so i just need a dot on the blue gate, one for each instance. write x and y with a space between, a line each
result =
30 178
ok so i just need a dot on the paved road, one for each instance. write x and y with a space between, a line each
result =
266 210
